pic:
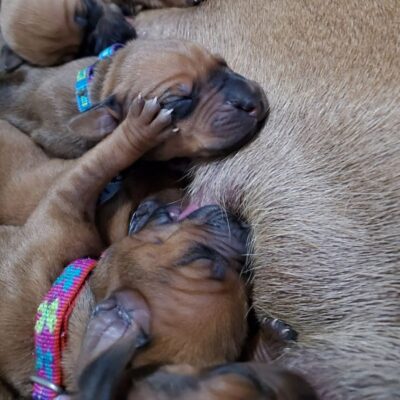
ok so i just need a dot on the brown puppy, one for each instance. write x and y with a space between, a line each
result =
214 109
200 297
45 32
108 377
250 381
25 168
129 7
321 185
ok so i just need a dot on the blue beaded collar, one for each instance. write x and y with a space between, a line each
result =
85 77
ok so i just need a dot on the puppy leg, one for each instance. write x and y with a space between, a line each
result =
71 202
279 328
270 338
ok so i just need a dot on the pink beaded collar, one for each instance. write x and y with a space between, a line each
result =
51 328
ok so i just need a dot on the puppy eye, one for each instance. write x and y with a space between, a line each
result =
201 252
182 106
197 252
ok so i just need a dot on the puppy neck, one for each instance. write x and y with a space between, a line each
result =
77 324
105 78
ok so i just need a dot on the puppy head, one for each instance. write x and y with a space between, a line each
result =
103 25
189 274
215 109
230 381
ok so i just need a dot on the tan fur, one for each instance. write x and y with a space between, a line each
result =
130 5
249 381
61 228
46 32
172 70
42 32
321 186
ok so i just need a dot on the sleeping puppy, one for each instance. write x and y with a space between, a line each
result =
106 379
130 7
46 32
214 109
184 272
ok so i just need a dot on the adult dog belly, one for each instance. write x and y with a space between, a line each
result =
321 185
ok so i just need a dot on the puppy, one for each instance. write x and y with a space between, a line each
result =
29 170
214 109
129 7
250 381
193 292
44 32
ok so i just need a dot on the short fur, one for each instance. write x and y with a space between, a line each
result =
321 186
215 110
61 228
45 33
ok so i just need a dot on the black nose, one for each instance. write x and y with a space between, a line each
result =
246 96
152 211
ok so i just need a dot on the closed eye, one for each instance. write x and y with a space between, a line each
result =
198 252
201 252
182 106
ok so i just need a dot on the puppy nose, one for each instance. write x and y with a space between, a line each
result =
246 96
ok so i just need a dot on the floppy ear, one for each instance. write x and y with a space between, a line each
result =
9 61
118 328
98 122
102 378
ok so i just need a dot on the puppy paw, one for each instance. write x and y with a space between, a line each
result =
147 124
280 329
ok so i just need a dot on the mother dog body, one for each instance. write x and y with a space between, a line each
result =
321 186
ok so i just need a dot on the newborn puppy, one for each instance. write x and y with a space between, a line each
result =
214 109
47 32
184 272
250 381
129 7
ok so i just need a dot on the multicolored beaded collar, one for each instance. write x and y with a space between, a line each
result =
84 103
85 77
51 328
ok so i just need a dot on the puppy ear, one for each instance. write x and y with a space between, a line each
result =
98 122
9 61
118 328
103 25
111 28
102 378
